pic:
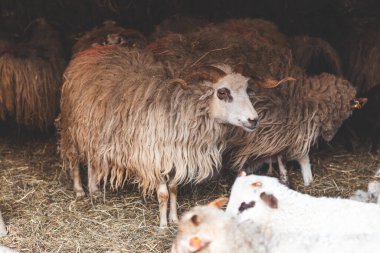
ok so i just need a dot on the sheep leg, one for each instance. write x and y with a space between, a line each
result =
270 169
307 175
163 197
173 217
92 181
283 172
75 175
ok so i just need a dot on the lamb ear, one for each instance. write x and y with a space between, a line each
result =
198 242
218 203
242 173
270 200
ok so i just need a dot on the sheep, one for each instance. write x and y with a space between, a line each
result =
30 77
372 195
315 55
122 117
110 33
290 211
290 128
315 106
209 229
3 230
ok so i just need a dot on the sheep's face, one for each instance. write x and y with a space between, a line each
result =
199 228
252 198
231 104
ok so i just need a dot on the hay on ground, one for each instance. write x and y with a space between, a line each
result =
43 215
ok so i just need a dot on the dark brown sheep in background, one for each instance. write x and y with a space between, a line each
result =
124 118
110 33
30 76
292 118
315 55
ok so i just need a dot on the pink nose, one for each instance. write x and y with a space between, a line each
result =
252 123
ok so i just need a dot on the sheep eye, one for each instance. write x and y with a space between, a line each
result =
224 94
250 92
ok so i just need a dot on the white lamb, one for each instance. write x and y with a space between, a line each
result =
290 211
208 229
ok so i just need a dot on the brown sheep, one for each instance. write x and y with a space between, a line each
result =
266 55
315 55
30 77
315 107
123 118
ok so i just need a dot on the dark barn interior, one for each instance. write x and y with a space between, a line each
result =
37 202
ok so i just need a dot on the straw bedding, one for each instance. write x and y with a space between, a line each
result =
43 215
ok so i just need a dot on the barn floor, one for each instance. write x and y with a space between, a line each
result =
43 215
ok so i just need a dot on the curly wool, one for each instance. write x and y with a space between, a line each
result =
30 77
214 44
292 117
122 116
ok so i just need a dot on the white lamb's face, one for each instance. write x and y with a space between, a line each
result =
231 103
252 199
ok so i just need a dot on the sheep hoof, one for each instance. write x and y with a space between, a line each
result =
163 226
173 219
307 180
80 194
95 194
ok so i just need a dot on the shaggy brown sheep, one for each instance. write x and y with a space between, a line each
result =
123 118
30 77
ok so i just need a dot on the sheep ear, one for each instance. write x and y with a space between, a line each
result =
270 83
270 200
242 173
196 243
218 203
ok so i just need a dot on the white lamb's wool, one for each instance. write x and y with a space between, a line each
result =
291 211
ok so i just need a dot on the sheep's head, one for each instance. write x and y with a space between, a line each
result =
254 197
230 101
199 227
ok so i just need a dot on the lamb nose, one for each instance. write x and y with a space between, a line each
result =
253 122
